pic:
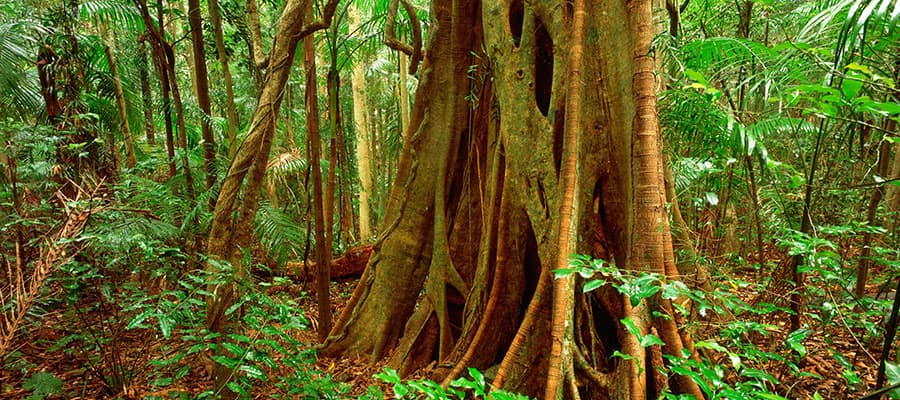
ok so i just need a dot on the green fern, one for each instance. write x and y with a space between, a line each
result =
282 235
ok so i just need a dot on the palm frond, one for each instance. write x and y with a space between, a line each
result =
112 13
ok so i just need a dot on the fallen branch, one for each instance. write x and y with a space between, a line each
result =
21 293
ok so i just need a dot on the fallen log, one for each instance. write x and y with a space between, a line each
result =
349 266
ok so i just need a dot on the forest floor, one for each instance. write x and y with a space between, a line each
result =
49 347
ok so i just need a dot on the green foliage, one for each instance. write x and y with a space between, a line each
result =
475 386
41 385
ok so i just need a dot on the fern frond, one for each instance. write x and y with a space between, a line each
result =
281 235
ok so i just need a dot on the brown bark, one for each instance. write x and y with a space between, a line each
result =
130 160
561 360
146 94
474 216
882 169
260 59
164 56
201 88
323 244
892 198
229 236
230 111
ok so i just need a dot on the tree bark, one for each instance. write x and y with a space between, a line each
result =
146 94
403 89
361 125
323 249
202 89
882 169
128 139
471 230
259 55
228 236
230 111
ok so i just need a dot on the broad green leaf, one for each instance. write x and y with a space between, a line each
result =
140 318
254 372
650 340
166 324
592 285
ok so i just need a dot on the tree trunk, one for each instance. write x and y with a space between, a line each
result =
403 89
475 214
259 55
228 236
361 125
757 220
230 111
201 88
323 249
882 169
146 94
130 160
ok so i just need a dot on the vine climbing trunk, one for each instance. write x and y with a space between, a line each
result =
231 228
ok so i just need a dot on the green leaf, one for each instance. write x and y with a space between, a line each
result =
42 384
770 396
851 85
140 318
650 340
254 372
710 345
592 285
892 371
795 340
166 324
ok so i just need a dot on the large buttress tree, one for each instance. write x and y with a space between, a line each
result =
508 139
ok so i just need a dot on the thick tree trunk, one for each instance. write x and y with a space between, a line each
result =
201 88
473 221
360 122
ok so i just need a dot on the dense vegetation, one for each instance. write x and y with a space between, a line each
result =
541 207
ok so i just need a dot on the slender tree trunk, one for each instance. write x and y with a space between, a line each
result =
160 61
745 13
403 89
146 94
892 198
201 88
862 272
229 236
361 127
561 358
230 111
323 251
339 159
180 124
130 160
757 220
